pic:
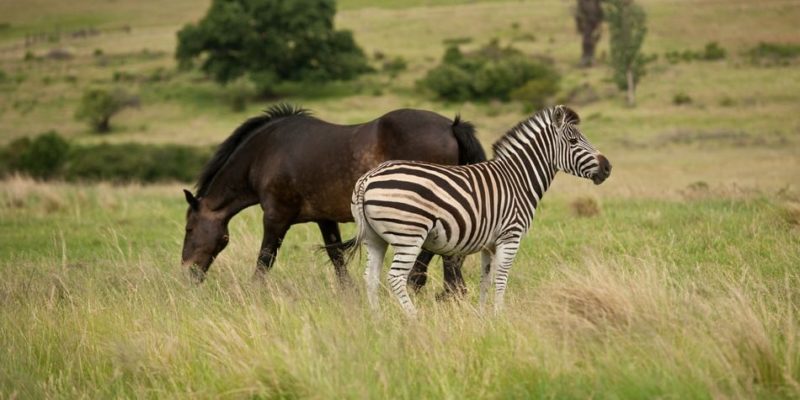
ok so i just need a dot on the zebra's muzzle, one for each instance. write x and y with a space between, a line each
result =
603 170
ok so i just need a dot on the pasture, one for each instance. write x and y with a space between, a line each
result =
677 278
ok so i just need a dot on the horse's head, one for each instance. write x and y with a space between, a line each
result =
573 152
206 236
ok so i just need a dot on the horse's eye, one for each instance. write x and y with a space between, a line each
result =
573 141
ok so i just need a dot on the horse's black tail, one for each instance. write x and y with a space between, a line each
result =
470 150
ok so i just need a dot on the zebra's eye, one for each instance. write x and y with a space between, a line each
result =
573 141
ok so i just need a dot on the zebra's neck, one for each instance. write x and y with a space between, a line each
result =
526 152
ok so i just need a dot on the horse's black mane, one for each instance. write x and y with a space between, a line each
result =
238 137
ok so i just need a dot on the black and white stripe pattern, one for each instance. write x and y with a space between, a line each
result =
458 210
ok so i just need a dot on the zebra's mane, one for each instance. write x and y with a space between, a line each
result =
546 117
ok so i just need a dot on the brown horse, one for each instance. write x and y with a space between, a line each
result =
301 169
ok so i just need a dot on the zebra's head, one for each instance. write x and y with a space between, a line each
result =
573 152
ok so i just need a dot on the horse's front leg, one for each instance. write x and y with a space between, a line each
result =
274 231
333 246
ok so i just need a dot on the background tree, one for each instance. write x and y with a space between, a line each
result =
271 41
97 106
588 19
627 29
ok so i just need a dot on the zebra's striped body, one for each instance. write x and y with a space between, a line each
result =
459 210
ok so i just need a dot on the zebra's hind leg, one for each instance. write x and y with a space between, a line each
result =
404 257
376 250
487 259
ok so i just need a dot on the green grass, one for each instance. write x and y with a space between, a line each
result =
648 299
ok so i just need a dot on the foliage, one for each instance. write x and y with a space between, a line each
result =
394 66
50 156
491 72
135 162
627 29
711 52
535 93
271 41
40 157
774 53
97 106
681 98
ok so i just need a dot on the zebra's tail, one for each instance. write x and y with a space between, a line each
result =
349 247
470 150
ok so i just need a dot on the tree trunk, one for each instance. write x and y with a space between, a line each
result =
587 46
588 18
631 87
104 125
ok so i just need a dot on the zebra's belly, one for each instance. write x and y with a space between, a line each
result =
440 243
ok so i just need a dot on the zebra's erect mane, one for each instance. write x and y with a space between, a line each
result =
544 117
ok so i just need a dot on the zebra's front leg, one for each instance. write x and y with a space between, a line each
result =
404 258
487 258
504 256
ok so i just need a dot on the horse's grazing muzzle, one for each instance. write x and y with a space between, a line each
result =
196 274
603 170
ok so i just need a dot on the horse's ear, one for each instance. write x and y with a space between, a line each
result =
193 202
564 115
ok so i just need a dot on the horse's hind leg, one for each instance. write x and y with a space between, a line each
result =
453 280
333 246
419 274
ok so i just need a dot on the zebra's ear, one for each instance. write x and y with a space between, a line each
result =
565 115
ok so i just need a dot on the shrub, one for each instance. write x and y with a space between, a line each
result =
774 53
49 156
711 52
492 72
681 99
135 162
394 66
40 157
99 105
534 93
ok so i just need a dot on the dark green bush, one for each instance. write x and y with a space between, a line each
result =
135 162
681 98
774 53
711 52
492 72
40 157
49 156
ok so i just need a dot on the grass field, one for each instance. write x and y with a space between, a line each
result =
684 285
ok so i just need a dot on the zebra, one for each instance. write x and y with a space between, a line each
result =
460 210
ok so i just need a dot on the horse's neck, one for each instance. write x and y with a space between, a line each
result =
231 197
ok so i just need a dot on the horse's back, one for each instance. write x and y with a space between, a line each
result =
417 135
